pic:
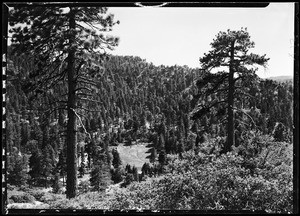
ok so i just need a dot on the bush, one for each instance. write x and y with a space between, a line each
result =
90 200
50 198
22 198
37 194
207 182
128 179
17 168
84 186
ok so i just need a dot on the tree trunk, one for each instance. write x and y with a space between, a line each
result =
71 126
230 119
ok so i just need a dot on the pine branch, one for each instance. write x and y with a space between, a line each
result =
88 110
83 88
84 94
57 101
87 81
91 100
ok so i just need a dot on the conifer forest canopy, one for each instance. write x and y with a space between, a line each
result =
86 129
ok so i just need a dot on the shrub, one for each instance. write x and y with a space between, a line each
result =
90 200
17 168
37 194
204 182
128 179
84 186
49 198
22 198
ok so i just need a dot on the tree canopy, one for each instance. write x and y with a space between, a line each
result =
66 46
229 50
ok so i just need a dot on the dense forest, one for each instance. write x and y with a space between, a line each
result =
181 114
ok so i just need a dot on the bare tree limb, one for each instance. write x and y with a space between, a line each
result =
81 123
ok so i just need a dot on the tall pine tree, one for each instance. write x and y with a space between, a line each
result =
230 50
66 44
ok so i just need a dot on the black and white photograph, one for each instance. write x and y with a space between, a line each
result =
149 107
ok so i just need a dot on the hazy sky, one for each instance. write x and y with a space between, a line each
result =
181 35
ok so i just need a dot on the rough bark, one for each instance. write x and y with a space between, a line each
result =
71 126
230 119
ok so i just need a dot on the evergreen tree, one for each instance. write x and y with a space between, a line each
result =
61 164
36 167
117 175
229 49
81 169
162 157
135 173
116 159
145 169
48 164
128 168
17 168
25 134
153 155
279 132
100 174
61 47
56 184
128 179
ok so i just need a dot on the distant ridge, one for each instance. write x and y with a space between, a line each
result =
281 78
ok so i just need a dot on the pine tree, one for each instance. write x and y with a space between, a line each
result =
153 155
279 132
135 173
17 168
56 184
229 49
162 157
48 164
81 169
100 174
35 164
128 179
61 47
25 135
117 175
128 168
116 159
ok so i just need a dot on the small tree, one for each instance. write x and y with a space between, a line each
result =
135 173
56 184
61 165
116 159
17 168
35 164
81 169
128 168
279 132
153 155
128 179
47 163
100 175
162 157
117 175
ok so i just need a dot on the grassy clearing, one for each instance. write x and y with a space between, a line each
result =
134 155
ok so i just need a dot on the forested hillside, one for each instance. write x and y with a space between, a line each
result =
179 115
137 102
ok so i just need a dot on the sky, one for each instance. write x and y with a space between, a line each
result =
181 35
